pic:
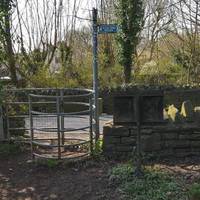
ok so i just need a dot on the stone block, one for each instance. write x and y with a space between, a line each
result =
151 143
166 153
146 131
195 144
186 136
121 131
193 153
133 132
196 132
170 144
108 148
115 131
174 144
195 136
128 140
111 140
110 154
182 144
169 136
195 149
182 154
125 148
185 150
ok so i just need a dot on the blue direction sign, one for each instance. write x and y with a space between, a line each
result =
107 28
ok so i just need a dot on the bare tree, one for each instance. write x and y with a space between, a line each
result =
186 27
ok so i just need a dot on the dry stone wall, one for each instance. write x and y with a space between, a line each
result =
167 140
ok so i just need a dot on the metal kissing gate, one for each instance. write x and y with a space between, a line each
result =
59 123
63 138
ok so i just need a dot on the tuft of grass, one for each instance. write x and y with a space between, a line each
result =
194 192
97 149
49 163
52 163
155 185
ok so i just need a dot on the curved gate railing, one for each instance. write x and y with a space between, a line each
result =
68 131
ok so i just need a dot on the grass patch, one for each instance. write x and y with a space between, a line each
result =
52 163
155 185
49 163
97 150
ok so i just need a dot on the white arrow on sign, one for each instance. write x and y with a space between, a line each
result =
107 28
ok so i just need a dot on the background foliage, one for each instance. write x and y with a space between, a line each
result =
159 42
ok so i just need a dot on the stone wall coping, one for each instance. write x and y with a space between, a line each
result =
161 127
135 89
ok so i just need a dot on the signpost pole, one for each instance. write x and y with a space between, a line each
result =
95 72
98 29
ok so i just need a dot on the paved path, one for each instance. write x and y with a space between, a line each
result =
70 122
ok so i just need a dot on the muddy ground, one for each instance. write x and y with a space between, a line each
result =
22 180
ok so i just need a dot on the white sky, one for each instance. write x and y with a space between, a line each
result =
30 20
84 5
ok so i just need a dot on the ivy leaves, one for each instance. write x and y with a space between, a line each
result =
130 14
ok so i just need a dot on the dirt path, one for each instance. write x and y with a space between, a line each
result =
20 180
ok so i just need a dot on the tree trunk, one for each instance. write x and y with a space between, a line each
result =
9 48
127 73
